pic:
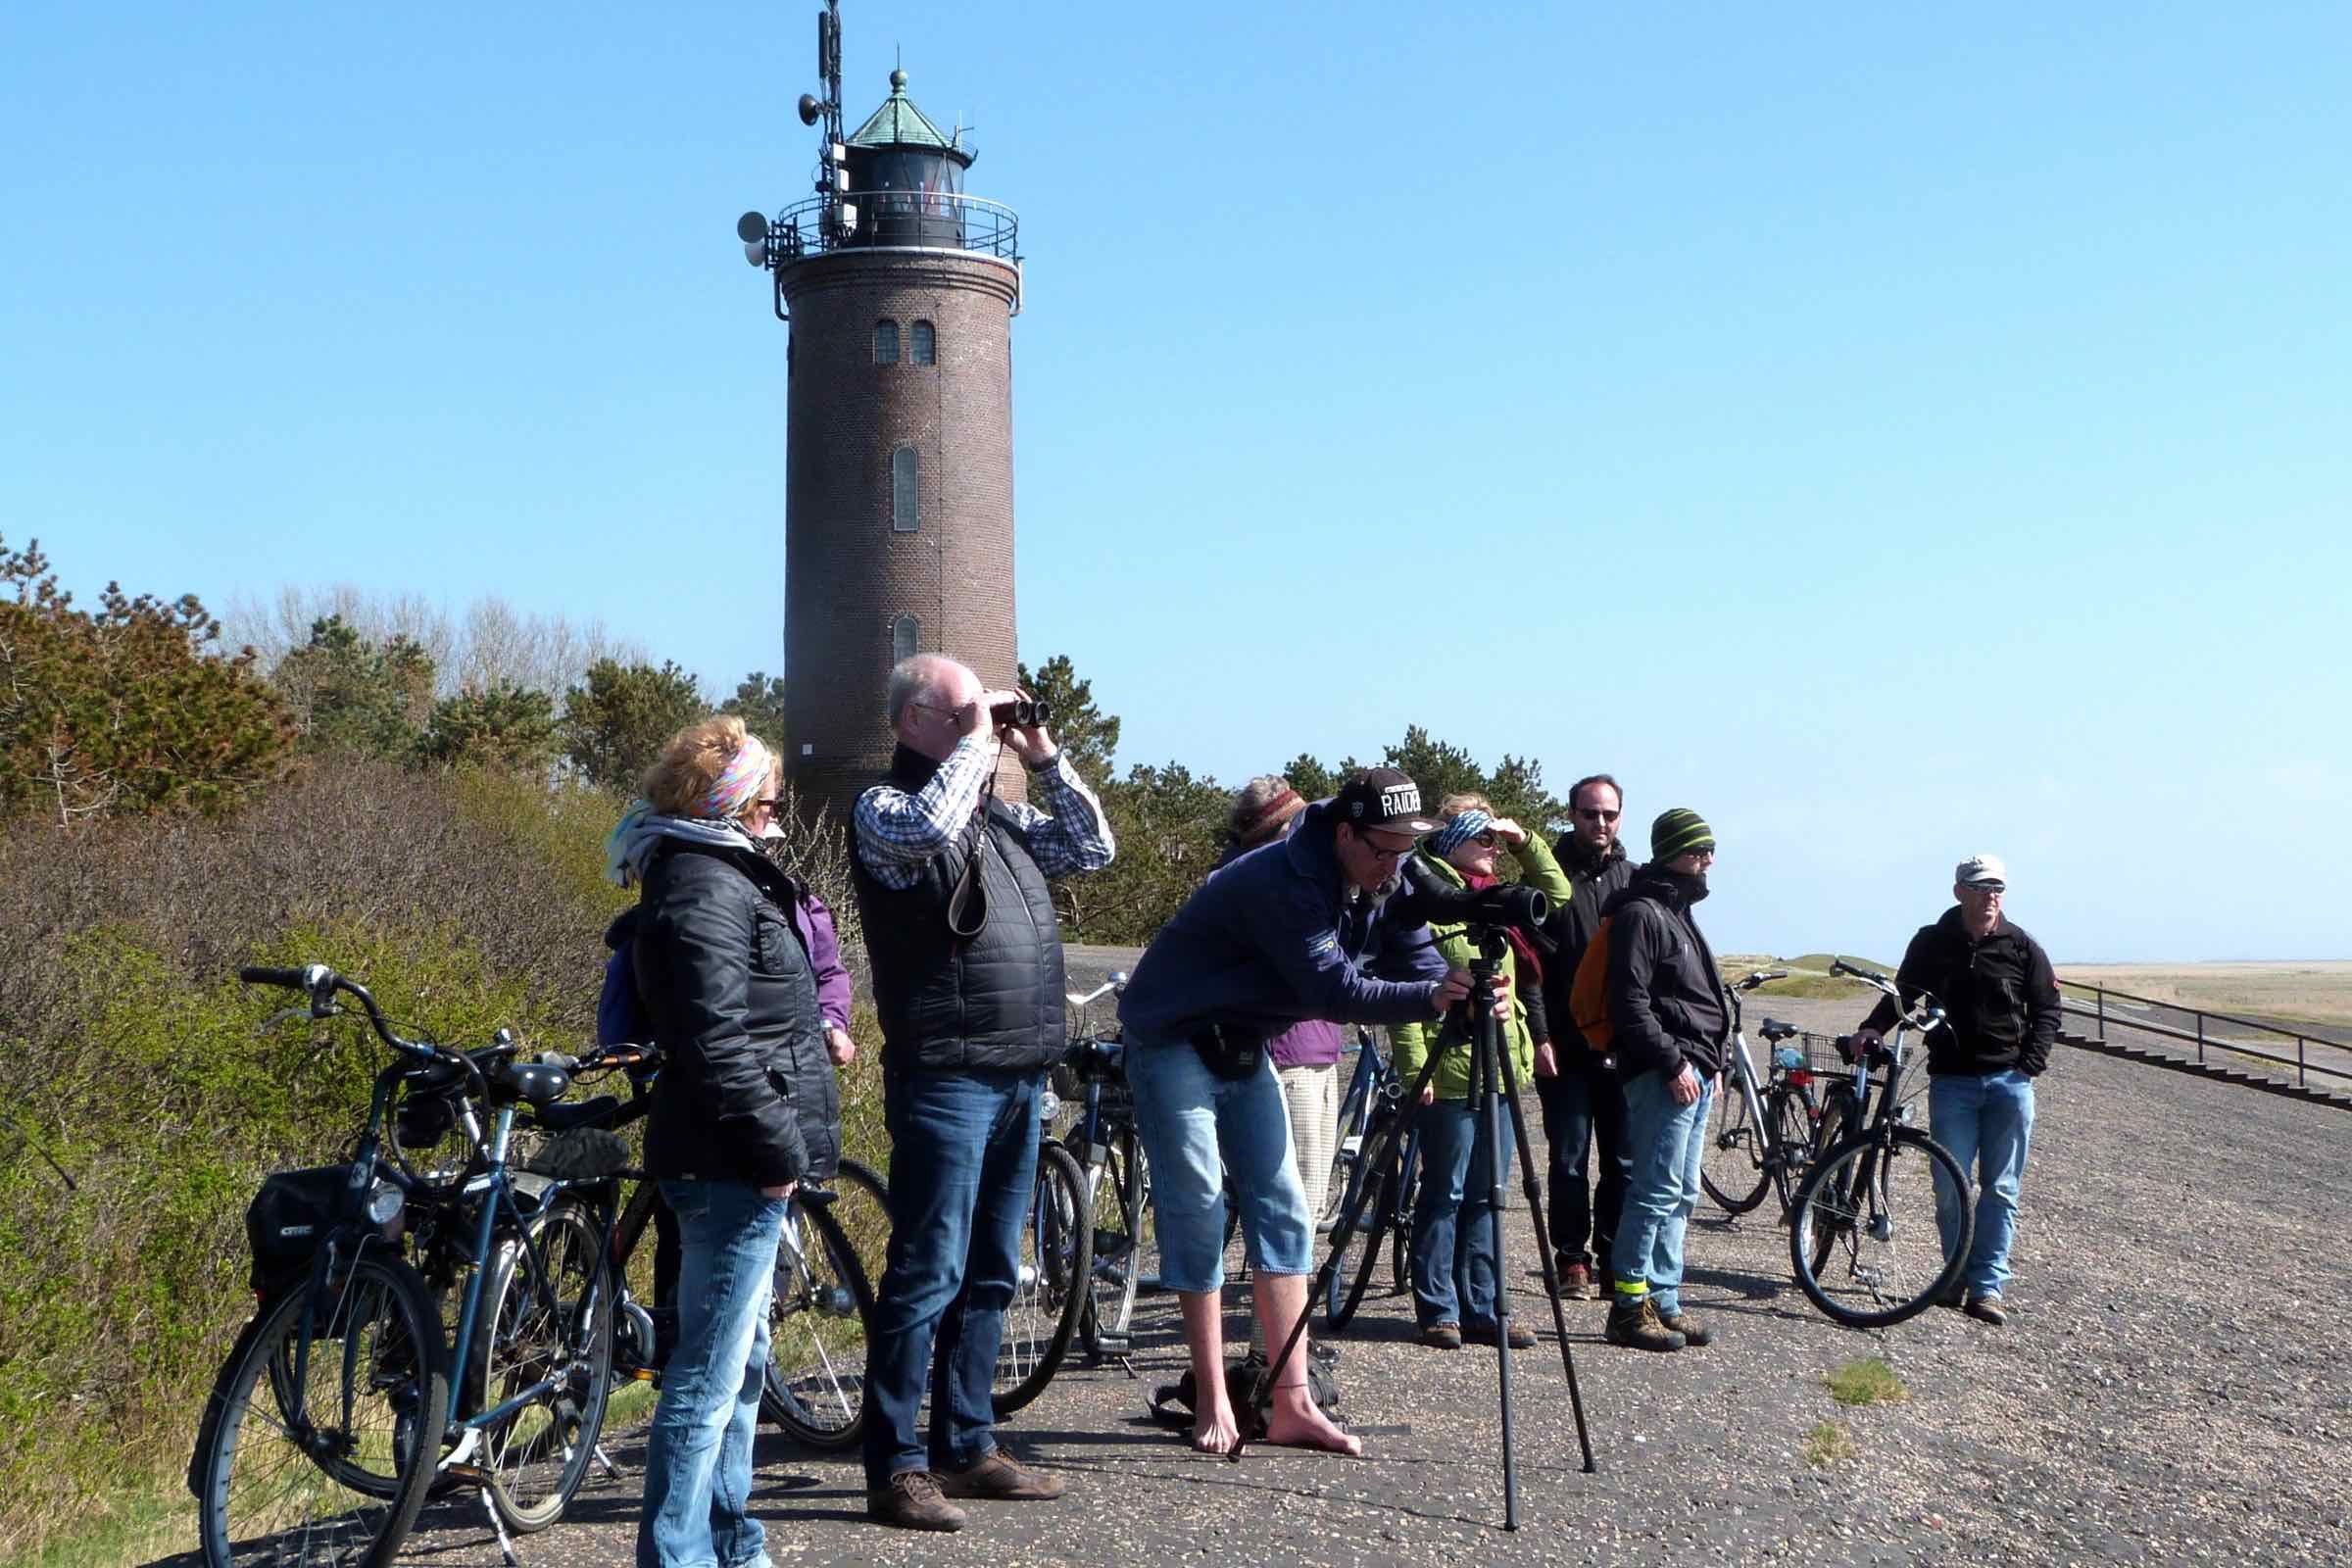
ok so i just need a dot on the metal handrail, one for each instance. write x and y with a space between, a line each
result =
2300 1061
813 228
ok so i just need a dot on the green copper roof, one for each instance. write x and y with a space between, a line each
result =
899 124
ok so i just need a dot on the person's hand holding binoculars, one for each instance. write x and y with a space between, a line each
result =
1031 743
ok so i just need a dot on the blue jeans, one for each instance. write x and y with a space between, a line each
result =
698 1456
1584 1106
1664 1140
1454 1239
1189 1116
1986 1122
962 1174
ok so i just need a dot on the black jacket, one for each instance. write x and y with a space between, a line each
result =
1595 882
1999 995
1666 1000
988 1001
747 1092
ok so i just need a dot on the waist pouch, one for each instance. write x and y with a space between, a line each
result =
1229 1051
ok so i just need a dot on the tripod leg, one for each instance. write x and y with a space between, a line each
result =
1551 1277
1485 1107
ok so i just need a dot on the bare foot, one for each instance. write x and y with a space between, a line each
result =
1213 1428
1297 1422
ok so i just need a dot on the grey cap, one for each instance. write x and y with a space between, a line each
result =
1981 871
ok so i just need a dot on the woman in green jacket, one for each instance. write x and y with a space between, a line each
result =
1456 1272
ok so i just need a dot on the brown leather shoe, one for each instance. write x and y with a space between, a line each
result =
1521 1338
1692 1331
1442 1336
913 1500
1001 1477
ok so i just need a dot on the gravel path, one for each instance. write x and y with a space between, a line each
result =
2166 1392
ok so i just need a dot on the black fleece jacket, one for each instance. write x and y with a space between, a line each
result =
1999 995
1666 1000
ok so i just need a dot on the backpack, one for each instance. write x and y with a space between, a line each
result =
1588 995
1173 1405
620 1018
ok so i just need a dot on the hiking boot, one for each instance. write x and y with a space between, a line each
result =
1442 1336
1484 1334
1576 1283
1002 1478
913 1500
1989 1308
1692 1331
1634 1323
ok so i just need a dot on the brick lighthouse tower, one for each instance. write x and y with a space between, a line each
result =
899 292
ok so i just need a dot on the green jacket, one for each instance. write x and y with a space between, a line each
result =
1413 1039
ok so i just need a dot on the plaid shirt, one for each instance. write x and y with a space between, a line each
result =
898 833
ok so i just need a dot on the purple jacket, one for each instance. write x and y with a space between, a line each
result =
814 922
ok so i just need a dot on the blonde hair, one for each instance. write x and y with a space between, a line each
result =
692 761
1468 801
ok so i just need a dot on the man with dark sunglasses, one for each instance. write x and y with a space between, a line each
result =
1583 1102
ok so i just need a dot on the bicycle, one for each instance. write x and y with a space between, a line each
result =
1857 1240
1055 1259
822 1301
1763 1135
287 1470
1381 1188
1368 1082
1114 1175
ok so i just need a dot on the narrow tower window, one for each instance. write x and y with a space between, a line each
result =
922 344
886 341
905 475
904 633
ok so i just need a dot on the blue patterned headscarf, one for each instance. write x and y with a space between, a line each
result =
1458 832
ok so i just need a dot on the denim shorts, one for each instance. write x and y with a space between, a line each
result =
1188 1117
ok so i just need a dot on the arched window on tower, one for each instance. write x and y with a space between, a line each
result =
906 484
906 633
922 344
886 341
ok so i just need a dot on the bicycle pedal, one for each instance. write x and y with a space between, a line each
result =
466 1475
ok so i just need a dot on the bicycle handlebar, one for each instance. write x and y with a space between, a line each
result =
255 974
322 982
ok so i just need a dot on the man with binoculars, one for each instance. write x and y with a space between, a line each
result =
966 955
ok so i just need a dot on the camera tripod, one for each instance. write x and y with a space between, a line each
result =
1494 1089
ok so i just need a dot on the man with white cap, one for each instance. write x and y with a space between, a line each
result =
2000 1002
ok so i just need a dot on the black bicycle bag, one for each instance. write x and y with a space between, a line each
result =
289 1220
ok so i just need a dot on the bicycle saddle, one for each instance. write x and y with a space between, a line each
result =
1776 1031
534 1082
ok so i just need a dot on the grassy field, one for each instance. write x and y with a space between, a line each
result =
2319 992
1808 973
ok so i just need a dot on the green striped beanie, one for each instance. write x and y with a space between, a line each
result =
1679 832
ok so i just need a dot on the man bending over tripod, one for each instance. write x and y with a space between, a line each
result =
1288 931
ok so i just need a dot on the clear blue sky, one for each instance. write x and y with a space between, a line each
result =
1891 435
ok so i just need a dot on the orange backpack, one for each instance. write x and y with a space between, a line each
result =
1588 993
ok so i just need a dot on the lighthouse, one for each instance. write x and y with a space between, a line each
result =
898 289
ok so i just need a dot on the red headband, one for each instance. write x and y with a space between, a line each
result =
1280 807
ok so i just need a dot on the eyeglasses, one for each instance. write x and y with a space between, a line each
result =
1380 852
1486 840
946 713
1593 814
771 802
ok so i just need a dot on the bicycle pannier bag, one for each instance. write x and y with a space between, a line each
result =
289 1218
1588 995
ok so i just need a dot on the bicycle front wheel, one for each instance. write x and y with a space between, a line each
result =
1115 1203
1056 1253
820 1315
1362 1226
1731 1161
319 1440
544 1343
1863 1235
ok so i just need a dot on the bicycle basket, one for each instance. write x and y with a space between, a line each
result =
289 1220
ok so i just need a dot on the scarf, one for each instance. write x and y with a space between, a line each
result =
636 836
1530 967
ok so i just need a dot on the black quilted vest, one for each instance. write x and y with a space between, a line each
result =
992 1000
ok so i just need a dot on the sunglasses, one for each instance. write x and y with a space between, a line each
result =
1486 840
1593 814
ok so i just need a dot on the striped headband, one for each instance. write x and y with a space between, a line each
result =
1461 831
1275 812
739 781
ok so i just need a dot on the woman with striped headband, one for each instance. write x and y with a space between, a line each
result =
747 1109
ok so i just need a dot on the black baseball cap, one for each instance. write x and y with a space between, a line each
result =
1385 799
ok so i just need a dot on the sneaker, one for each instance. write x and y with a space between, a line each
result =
1520 1339
1576 1283
1989 1308
1634 1323
1692 1331
913 1500
1442 1336
1002 1478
